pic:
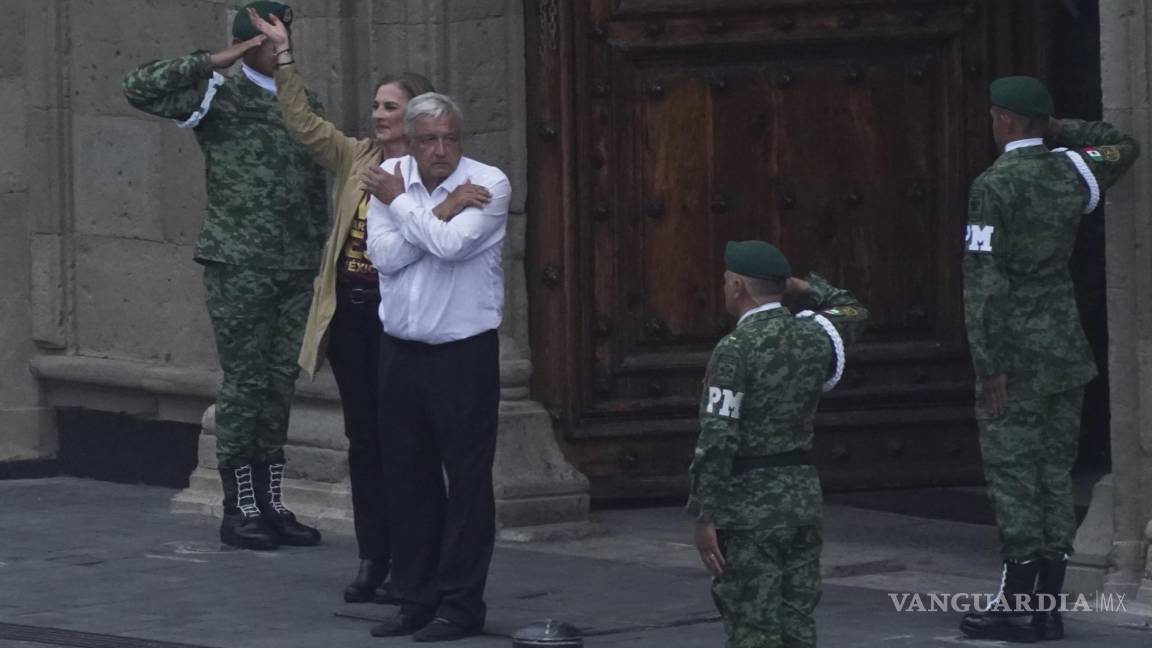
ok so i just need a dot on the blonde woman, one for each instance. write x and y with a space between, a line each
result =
343 322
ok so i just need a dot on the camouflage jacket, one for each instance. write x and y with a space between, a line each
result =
266 196
1023 216
761 390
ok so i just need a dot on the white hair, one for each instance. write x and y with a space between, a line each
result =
430 104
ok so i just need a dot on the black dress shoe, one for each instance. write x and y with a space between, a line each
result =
400 625
363 588
442 629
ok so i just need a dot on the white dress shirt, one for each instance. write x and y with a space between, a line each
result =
439 281
1023 143
259 78
759 309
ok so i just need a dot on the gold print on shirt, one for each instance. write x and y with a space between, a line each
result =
357 266
353 259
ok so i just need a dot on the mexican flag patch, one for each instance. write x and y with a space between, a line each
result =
1096 155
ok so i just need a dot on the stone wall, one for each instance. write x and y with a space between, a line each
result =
1113 544
106 301
26 432
1126 37
118 279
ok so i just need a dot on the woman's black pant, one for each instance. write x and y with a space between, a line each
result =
353 352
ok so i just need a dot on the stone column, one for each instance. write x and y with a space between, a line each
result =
1113 543
27 433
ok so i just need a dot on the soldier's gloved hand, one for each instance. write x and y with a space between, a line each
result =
229 55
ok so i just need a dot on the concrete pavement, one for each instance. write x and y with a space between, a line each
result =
86 563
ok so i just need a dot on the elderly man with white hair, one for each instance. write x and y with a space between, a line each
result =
442 296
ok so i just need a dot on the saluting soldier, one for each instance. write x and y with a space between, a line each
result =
756 496
1028 349
260 246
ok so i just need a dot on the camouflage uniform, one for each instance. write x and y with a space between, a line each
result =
260 242
1022 321
763 384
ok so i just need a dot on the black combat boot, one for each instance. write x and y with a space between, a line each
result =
1008 616
1050 580
370 576
243 526
269 482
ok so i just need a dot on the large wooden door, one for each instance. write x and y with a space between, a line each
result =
844 131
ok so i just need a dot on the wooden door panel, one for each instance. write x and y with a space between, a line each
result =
674 230
845 131
797 150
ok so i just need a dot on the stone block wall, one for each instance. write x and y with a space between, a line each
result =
122 194
26 432
103 205
1126 59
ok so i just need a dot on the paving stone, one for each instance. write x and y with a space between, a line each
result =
106 558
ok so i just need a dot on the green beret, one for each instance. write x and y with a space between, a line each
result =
756 259
1023 95
242 28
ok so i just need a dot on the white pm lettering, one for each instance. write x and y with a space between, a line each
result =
979 238
728 401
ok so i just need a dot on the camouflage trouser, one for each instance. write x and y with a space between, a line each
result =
770 586
1028 456
258 316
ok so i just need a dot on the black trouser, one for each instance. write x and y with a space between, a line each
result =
353 352
439 405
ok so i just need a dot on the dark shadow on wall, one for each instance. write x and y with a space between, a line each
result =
1075 84
124 449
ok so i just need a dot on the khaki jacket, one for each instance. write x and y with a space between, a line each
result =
346 158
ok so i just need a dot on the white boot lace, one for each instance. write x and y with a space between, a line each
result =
275 484
245 494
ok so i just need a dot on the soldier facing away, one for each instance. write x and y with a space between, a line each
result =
260 246
1028 349
756 496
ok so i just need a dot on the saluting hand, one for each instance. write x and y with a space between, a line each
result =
385 186
273 29
709 547
462 197
796 286
234 52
